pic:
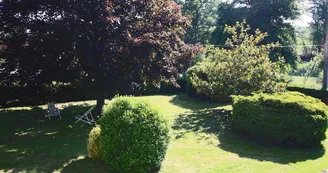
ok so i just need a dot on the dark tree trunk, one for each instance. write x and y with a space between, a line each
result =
100 103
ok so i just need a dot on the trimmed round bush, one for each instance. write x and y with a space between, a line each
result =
290 117
134 136
94 151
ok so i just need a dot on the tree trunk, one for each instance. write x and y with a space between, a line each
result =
100 103
325 72
100 94
325 69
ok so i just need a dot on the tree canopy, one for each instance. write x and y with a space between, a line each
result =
203 15
111 45
269 16
319 13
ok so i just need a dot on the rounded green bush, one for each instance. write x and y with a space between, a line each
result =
189 87
134 136
290 117
94 151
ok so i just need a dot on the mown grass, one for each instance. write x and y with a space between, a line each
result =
203 140
306 82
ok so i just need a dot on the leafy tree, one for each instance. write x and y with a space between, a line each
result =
319 14
269 16
204 15
240 69
315 66
113 46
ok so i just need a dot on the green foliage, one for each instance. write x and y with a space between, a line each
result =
319 14
129 43
290 117
94 150
269 16
189 73
319 94
313 68
244 67
167 87
134 136
204 16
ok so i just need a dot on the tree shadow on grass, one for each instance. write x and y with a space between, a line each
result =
86 165
188 102
31 142
219 122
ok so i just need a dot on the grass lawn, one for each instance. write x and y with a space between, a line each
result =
202 141
308 82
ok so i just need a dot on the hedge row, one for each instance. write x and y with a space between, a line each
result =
319 94
289 117
30 96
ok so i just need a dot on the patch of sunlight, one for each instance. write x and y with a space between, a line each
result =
67 163
17 108
60 105
51 133
6 171
23 133
12 150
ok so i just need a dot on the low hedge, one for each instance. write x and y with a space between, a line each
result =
134 136
30 96
319 94
166 88
290 117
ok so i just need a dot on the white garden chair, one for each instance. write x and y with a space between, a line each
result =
86 117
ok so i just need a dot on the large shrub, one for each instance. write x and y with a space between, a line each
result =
289 117
242 67
134 136
94 150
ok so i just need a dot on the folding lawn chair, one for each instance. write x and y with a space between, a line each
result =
85 117
52 110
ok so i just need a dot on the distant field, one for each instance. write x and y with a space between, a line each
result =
308 82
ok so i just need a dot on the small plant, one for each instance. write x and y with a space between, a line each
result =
134 136
94 151
290 117
243 67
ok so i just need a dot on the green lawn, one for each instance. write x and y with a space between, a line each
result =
202 141
308 82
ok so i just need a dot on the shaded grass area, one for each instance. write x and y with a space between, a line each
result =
31 143
203 140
